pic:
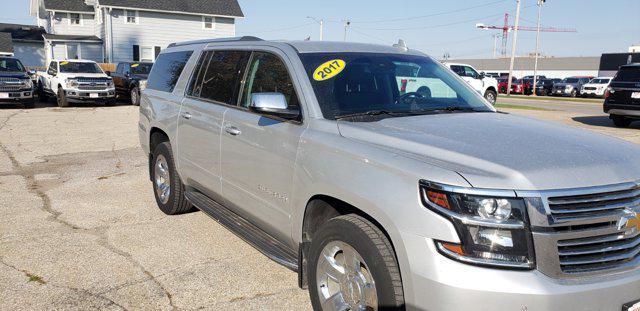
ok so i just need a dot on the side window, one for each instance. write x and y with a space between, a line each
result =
195 86
119 69
126 68
52 68
221 80
268 74
166 71
458 69
470 72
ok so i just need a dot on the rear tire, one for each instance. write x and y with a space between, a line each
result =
135 96
620 121
491 96
378 263
167 186
62 98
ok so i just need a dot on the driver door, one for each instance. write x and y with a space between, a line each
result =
473 78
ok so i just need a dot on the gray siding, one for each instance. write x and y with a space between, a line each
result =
88 51
30 54
61 25
162 29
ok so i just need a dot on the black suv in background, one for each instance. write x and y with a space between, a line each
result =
622 99
127 78
545 86
16 86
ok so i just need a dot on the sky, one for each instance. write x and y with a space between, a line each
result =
435 27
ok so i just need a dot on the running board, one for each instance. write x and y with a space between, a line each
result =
250 233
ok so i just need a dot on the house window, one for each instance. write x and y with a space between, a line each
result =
146 54
75 19
73 51
130 17
208 22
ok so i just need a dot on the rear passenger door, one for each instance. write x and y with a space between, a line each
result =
213 88
258 151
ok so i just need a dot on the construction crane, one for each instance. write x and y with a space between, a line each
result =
506 28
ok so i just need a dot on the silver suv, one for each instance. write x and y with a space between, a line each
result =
382 198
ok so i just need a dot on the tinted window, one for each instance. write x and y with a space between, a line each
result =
628 74
195 86
140 68
79 67
221 79
470 72
166 71
268 74
10 64
458 69
570 80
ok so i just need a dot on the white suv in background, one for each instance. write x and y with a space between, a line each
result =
596 87
487 86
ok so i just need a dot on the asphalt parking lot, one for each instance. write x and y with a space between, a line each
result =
80 228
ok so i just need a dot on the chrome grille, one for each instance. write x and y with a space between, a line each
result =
92 80
10 84
582 232
93 84
590 88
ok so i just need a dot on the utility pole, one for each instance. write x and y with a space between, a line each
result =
513 47
346 26
495 44
535 66
321 22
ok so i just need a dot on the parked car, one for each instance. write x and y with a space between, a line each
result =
485 85
127 78
16 86
522 86
76 81
545 86
622 97
425 200
503 84
569 86
540 77
596 87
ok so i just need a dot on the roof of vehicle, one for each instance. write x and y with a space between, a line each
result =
308 46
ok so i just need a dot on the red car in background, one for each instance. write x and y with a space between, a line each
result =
502 84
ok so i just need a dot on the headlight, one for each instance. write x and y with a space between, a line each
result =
493 229
142 84
72 83
568 87
110 83
27 84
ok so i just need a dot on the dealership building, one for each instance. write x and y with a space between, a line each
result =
605 65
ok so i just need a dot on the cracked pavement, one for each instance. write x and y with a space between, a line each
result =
80 228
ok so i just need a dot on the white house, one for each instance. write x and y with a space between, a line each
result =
24 42
129 30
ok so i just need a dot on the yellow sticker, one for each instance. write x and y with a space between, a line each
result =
329 70
63 63
135 65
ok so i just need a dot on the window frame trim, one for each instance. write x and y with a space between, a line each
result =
204 23
153 53
242 82
80 19
126 17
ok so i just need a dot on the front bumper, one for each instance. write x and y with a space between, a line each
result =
23 96
597 93
91 96
439 283
561 92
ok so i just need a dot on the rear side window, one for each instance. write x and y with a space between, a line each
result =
628 74
166 71
222 75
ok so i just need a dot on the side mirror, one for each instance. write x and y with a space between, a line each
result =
274 104
482 75
108 73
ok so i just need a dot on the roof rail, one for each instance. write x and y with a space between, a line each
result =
231 39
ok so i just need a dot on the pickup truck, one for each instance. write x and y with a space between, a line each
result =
15 84
483 84
76 81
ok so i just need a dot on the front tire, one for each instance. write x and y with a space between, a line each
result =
574 93
62 98
491 96
135 96
620 121
167 186
352 265
42 94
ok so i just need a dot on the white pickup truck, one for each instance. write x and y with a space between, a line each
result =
485 85
76 81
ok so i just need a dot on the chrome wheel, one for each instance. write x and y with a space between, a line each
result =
162 179
344 281
490 97
134 97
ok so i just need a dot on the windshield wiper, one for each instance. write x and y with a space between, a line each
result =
448 109
370 113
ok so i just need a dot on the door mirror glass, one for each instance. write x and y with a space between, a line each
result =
272 104
482 75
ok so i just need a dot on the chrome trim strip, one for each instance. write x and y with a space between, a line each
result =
602 239
590 250
620 196
468 190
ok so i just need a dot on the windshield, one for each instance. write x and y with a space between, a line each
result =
570 80
628 74
11 64
600 81
79 67
355 83
141 68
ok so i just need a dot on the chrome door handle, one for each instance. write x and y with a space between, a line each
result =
186 115
233 130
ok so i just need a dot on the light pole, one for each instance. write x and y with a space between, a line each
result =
513 47
535 66
346 26
321 22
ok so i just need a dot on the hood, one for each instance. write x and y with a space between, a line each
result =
502 151
83 75
14 74
563 84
